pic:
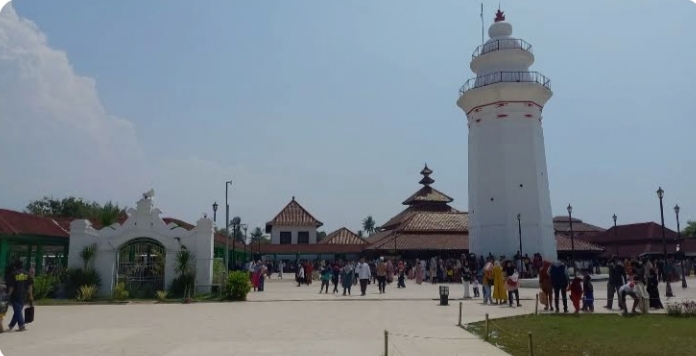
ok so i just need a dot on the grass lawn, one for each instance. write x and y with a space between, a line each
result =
592 335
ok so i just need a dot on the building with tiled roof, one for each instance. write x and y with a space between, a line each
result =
581 229
293 225
639 239
31 237
343 236
429 223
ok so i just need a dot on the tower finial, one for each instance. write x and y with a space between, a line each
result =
499 16
426 172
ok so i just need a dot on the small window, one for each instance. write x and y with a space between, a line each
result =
285 237
303 238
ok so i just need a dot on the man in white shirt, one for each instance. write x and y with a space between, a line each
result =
364 274
281 265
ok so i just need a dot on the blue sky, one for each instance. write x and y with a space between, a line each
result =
338 103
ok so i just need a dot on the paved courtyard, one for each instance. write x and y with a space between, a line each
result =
283 320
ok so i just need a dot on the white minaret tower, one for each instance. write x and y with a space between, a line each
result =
509 198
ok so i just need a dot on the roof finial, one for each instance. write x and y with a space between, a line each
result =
499 16
426 172
293 198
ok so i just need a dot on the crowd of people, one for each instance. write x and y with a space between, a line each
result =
496 280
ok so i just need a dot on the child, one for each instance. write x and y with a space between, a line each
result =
588 294
575 289
475 283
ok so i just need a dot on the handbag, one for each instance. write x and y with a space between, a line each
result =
543 298
29 315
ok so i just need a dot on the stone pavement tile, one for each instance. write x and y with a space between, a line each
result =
315 325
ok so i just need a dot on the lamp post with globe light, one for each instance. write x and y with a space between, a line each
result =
681 253
665 269
616 236
215 206
572 239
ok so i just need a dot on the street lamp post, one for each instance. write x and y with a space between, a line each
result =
244 227
227 227
616 237
519 233
665 271
215 206
681 253
258 246
235 231
572 239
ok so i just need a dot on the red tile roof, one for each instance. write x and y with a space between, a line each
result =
294 215
562 224
18 223
343 236
565 244
427 194
314 249
423 242
647 231
436 222
414 209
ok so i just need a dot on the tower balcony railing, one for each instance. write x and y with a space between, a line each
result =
500 44
506 77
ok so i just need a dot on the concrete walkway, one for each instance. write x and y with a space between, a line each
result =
272 323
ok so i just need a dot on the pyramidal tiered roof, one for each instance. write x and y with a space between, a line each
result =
431 204
427 194
294 215
343 236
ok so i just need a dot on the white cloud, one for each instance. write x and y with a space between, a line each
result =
56 137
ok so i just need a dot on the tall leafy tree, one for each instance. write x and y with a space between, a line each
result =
369 225
690 229
321 235
77 208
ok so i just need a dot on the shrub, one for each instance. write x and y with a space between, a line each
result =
686 309
45 285
77 278
86 293
184 265
237 286
162 295
180 285
120 292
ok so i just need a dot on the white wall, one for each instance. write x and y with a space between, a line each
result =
275 233
144 222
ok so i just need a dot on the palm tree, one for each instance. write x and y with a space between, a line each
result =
257 236
368 225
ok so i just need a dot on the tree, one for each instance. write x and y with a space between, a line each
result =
320 236
690 229
76 208
369 225
258 236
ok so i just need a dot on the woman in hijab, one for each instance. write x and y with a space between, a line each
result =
499 292
487 282
419 272
545 285
347 274
653 292
512 282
